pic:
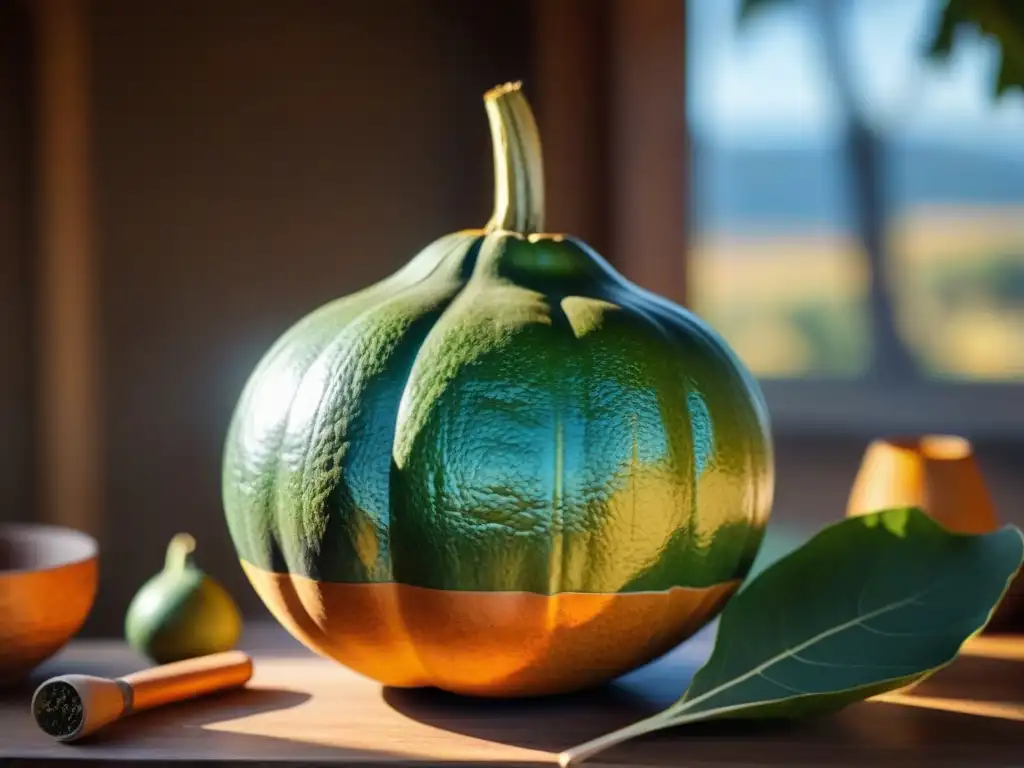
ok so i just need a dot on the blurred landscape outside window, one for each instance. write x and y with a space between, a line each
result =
825 141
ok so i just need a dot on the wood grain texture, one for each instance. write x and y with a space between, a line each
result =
302 710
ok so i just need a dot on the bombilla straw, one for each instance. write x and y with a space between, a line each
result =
71 707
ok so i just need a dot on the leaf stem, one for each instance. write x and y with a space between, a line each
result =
588 749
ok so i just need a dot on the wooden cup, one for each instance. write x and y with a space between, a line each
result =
937 473
940 475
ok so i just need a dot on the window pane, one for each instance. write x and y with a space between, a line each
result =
780 262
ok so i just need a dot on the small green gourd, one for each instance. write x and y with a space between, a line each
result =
181 612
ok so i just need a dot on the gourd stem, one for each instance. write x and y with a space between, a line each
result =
179 552
518 166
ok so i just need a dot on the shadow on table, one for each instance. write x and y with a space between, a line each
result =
527 723
579 716
972 711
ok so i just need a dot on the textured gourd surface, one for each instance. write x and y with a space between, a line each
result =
505 444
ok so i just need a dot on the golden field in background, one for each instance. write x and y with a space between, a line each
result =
796 304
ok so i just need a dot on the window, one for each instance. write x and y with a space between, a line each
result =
824 142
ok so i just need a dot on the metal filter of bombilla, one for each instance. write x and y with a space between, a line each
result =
71 707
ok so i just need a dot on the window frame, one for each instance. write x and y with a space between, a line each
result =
619 176
861 407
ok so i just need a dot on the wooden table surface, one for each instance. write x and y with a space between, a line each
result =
302 710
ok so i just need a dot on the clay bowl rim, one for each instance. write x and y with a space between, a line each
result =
85 547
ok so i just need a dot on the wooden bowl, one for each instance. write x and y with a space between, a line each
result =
48 579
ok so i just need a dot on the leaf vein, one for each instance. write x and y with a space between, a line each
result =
887 633
859 620
815 663
782 685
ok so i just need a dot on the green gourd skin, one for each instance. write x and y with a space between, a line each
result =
181 612
506 413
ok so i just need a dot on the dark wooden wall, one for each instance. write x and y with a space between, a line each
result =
232 165
254 159
16 281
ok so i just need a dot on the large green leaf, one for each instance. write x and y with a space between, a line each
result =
868 605
1002 21
750 7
